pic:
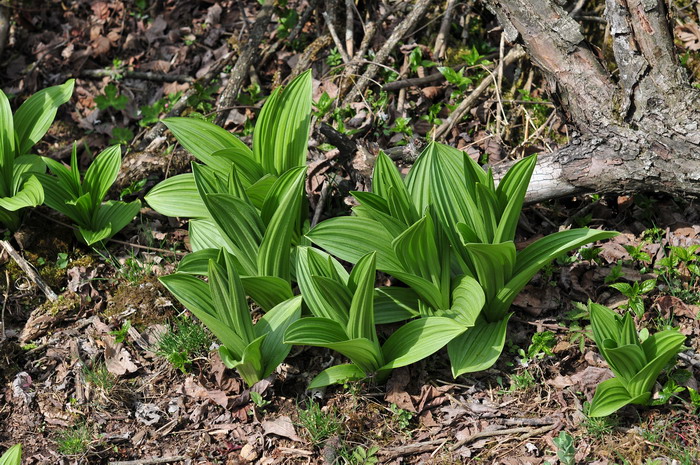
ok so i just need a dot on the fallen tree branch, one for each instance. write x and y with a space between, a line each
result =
502 432
29 271
401 30
247 57
144 75
153 461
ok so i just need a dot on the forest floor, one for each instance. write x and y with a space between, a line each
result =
116 370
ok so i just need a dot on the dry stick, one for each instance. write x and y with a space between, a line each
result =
499 85
336 39
323 196
144 75
514 54
4 304
4 27
349 34
440 42
153 461
29 270
502 432
401 30
247 57
411 449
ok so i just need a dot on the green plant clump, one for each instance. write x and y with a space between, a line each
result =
636 359
12 456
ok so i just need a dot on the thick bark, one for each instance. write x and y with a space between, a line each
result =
638 130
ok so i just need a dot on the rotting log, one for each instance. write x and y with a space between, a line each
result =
637 131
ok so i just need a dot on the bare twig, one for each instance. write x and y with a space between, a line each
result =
247 57
153 461
272 50
29 270
401 30
440 40
502 432
4 27
514 54
411 449
349 34
322 198
4 304
336 39
144 75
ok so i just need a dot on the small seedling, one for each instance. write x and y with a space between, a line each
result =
566 451
111 99
259 401
121 136
99 377
400 417
542 345
121 333
62 260
362 456
634 293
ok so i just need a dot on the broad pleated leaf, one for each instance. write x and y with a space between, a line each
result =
280 138
609 397
267 291
361 313
117 214
241 225
468 300
7 145
25 166
197 262
250 366
202 139
274 254
350 238
229 298
661 348
34 117
12 456
625 361
512 190
30 195
493 264
478 348
419 339
337 374
178 197
93 236
604 323
417 250
248 169
312 264
205 234
394 304
102 173
427 291
329 298
274 324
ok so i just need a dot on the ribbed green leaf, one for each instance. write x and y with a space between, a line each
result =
512 190
537 255
30 195
332 299
387 183
102 173
205 234
241 225
229 298
281 132
494 265
609 397
267 291
604 323
34 117
202 139
310 265
394 304
178 197
426 290
248 169
274 254
416 248
250 366
93 236
25 166
197 262
393 226
274 324
660 349
208 181
468 300
419 339
7 145
337 374
116 214
478 348
625 361
361 313
12 456
350 238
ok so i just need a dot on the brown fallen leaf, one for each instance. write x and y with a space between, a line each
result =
396 389
281 426
117 358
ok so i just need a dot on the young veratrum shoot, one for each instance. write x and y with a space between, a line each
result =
446 220
12 456
19 186
635 361
254 350
344 321
280 141
83 201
